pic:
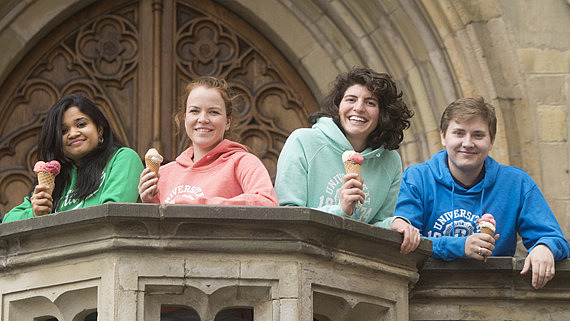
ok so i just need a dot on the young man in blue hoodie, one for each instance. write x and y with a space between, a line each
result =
445 196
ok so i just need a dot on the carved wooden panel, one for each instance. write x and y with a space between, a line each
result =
134 59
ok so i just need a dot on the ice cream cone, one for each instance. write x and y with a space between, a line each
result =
150 164
490 232
352 167
46 178
152 160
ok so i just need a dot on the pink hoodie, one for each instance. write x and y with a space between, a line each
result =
227 175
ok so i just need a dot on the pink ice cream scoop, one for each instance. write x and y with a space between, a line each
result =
352 156
53 167
487 218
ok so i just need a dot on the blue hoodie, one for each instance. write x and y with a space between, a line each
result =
446 213
310 173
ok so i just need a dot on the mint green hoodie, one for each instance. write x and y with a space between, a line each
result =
119 183
310 173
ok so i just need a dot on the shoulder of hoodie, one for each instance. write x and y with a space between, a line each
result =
513 174
305 135
310 140
125 154
421 172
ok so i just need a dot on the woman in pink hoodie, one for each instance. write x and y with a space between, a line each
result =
213 170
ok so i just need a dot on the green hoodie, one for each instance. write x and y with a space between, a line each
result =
310 173
119 183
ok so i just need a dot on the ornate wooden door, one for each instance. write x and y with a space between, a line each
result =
133 59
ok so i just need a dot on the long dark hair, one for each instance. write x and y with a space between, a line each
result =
393 117
50 147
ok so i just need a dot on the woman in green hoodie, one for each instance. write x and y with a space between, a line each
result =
95 168
364 112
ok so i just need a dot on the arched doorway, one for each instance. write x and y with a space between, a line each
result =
133 59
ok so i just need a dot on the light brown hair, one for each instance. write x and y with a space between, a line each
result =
464 109
228 96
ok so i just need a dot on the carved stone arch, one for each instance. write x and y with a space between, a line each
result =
134 59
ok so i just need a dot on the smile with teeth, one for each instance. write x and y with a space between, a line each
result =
357 119
203 130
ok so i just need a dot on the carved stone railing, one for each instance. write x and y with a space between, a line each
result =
473 290
138 261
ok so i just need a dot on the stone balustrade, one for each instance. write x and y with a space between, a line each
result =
148 262
141 261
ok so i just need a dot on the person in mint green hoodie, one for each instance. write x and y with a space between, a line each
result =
95 168
364 112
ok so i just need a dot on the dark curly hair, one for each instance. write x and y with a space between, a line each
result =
393 117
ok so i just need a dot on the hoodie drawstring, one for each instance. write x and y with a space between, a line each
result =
452 209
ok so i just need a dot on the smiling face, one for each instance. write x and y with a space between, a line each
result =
468 143
80 134
358 111
205 119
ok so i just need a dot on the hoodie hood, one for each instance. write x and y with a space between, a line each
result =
338 141
221 153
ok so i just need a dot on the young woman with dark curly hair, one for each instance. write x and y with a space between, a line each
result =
363 112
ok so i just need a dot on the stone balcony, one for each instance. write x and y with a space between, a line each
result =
140 262
181 262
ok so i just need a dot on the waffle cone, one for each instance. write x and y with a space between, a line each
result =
151 165
489 232
46 178
352 167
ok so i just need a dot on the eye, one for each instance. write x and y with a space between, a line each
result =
64 131
349 99
371 103
193 111
215 112
81 124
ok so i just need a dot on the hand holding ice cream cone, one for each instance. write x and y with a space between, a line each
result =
353 164
46 172
487 224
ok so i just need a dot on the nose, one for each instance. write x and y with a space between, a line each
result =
467 141
203 118
72 132
358 105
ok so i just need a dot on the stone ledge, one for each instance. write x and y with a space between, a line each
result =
227 229
498 278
